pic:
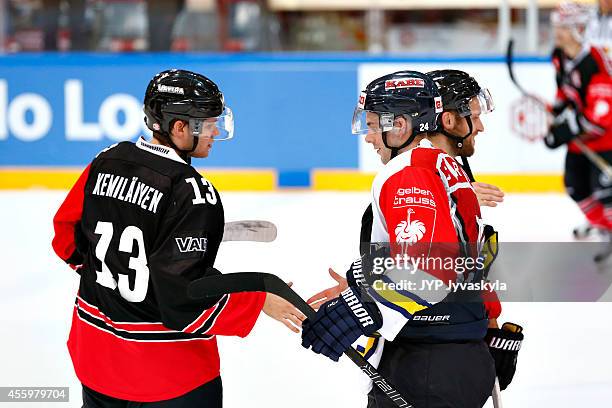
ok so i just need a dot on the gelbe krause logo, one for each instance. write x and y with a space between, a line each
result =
404 83
29 116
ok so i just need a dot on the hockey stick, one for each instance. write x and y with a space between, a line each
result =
266 282
249 230
595 158
496 395
467 168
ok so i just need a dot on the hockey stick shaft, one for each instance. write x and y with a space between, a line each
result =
467 168
249 230
265 282
595 158
496 395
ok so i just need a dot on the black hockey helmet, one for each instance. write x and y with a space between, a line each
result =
410 94
457 88
178 94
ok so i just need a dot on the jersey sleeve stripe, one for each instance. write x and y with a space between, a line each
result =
591 128
144 336
207 318
573 96
147 327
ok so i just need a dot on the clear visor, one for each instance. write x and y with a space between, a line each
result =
217 128
479 104
485 100
365 122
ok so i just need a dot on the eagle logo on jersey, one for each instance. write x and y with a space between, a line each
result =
409 231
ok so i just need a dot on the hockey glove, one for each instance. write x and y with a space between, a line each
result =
564 128
340 322
558 107
354 274
504 345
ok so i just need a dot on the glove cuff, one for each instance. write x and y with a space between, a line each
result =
354 275
363 310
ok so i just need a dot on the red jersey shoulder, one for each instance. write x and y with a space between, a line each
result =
602 60
441 163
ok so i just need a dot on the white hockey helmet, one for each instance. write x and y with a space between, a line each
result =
572 15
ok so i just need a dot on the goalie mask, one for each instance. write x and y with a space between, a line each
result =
183 95
411 95
458 89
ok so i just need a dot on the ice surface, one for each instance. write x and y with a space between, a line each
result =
565 361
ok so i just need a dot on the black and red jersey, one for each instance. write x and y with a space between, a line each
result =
139 225
585 84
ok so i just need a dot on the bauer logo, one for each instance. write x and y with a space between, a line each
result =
189 245
432 319
404 83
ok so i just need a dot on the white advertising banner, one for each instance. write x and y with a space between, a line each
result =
499 149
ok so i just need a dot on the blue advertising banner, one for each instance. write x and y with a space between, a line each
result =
60 110
292 110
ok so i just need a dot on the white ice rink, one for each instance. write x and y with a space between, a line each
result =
565 360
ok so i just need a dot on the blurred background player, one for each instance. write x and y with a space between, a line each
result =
396 111
599 27
582 109
139 225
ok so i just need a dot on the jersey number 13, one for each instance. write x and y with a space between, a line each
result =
105 278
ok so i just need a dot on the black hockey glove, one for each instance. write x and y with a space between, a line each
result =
504 345
361 272
564 128
340 322
354 274
558 107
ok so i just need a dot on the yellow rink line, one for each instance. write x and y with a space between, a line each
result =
266 180
347 180
64 178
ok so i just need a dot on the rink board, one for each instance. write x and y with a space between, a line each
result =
292 113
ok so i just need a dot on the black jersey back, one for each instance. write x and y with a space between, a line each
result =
151 225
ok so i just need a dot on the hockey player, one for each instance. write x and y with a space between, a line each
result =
464 102
138 226
582 109
420 355
599 27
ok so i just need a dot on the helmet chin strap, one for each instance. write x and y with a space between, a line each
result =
458 139
395 149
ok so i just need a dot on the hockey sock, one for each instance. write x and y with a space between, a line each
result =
594 212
